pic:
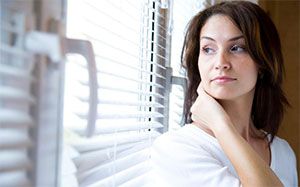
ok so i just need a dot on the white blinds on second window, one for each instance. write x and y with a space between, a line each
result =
183 11
130 61
15 98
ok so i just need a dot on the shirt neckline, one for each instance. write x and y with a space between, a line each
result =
214 140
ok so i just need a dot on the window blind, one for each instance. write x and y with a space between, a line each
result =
182 12
129 40
16 99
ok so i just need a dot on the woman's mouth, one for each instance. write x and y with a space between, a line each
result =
223 79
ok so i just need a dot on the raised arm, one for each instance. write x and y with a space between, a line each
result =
250 167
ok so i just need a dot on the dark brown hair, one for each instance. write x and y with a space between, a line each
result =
263 45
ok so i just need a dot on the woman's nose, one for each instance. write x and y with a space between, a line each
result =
222 62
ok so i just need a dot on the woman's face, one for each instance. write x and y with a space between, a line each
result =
226 68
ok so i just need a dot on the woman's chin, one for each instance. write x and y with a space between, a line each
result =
222 96
219 93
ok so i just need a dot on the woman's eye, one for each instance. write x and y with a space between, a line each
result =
207 50
237 48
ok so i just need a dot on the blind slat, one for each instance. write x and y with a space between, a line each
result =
97 9
102 58
12 179
86 83
110 128
10 93
90 160
110 89
128 65
101 42
102 142
121 10
15 51
146 60
139 92
12 138
12 160
130 79
117 165
123 115
13 117
112 32
14 72
123 176
123 103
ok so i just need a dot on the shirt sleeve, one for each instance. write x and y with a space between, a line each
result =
295 174
177 164
286 163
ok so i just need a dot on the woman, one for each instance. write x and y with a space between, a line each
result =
233 108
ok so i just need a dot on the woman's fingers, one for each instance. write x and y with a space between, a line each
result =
206 109
202 91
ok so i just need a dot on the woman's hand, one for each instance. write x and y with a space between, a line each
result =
207 111
251 168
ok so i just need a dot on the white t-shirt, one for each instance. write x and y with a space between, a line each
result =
189 157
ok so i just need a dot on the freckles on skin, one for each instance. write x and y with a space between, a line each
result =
225 48
205 82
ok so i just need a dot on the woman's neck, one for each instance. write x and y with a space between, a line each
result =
239 112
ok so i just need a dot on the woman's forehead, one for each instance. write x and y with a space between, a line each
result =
220 27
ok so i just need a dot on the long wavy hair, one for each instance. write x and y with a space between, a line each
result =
263 44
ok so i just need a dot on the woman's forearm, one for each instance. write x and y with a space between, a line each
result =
250 167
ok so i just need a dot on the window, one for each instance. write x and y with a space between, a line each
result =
16 99
129 40
182 12
29 102
137 47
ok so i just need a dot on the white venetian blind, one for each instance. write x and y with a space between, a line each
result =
16 100
129 40
183 11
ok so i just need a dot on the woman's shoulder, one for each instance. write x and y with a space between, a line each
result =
188 135
188 141
186 153
283 152
284 161
281 146
170 139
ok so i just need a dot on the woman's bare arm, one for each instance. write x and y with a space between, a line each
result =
250 167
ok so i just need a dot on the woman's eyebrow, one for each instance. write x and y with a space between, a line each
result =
236 38
231 39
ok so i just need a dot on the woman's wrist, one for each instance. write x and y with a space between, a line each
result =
222 125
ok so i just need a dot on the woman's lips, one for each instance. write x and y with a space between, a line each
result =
223 79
